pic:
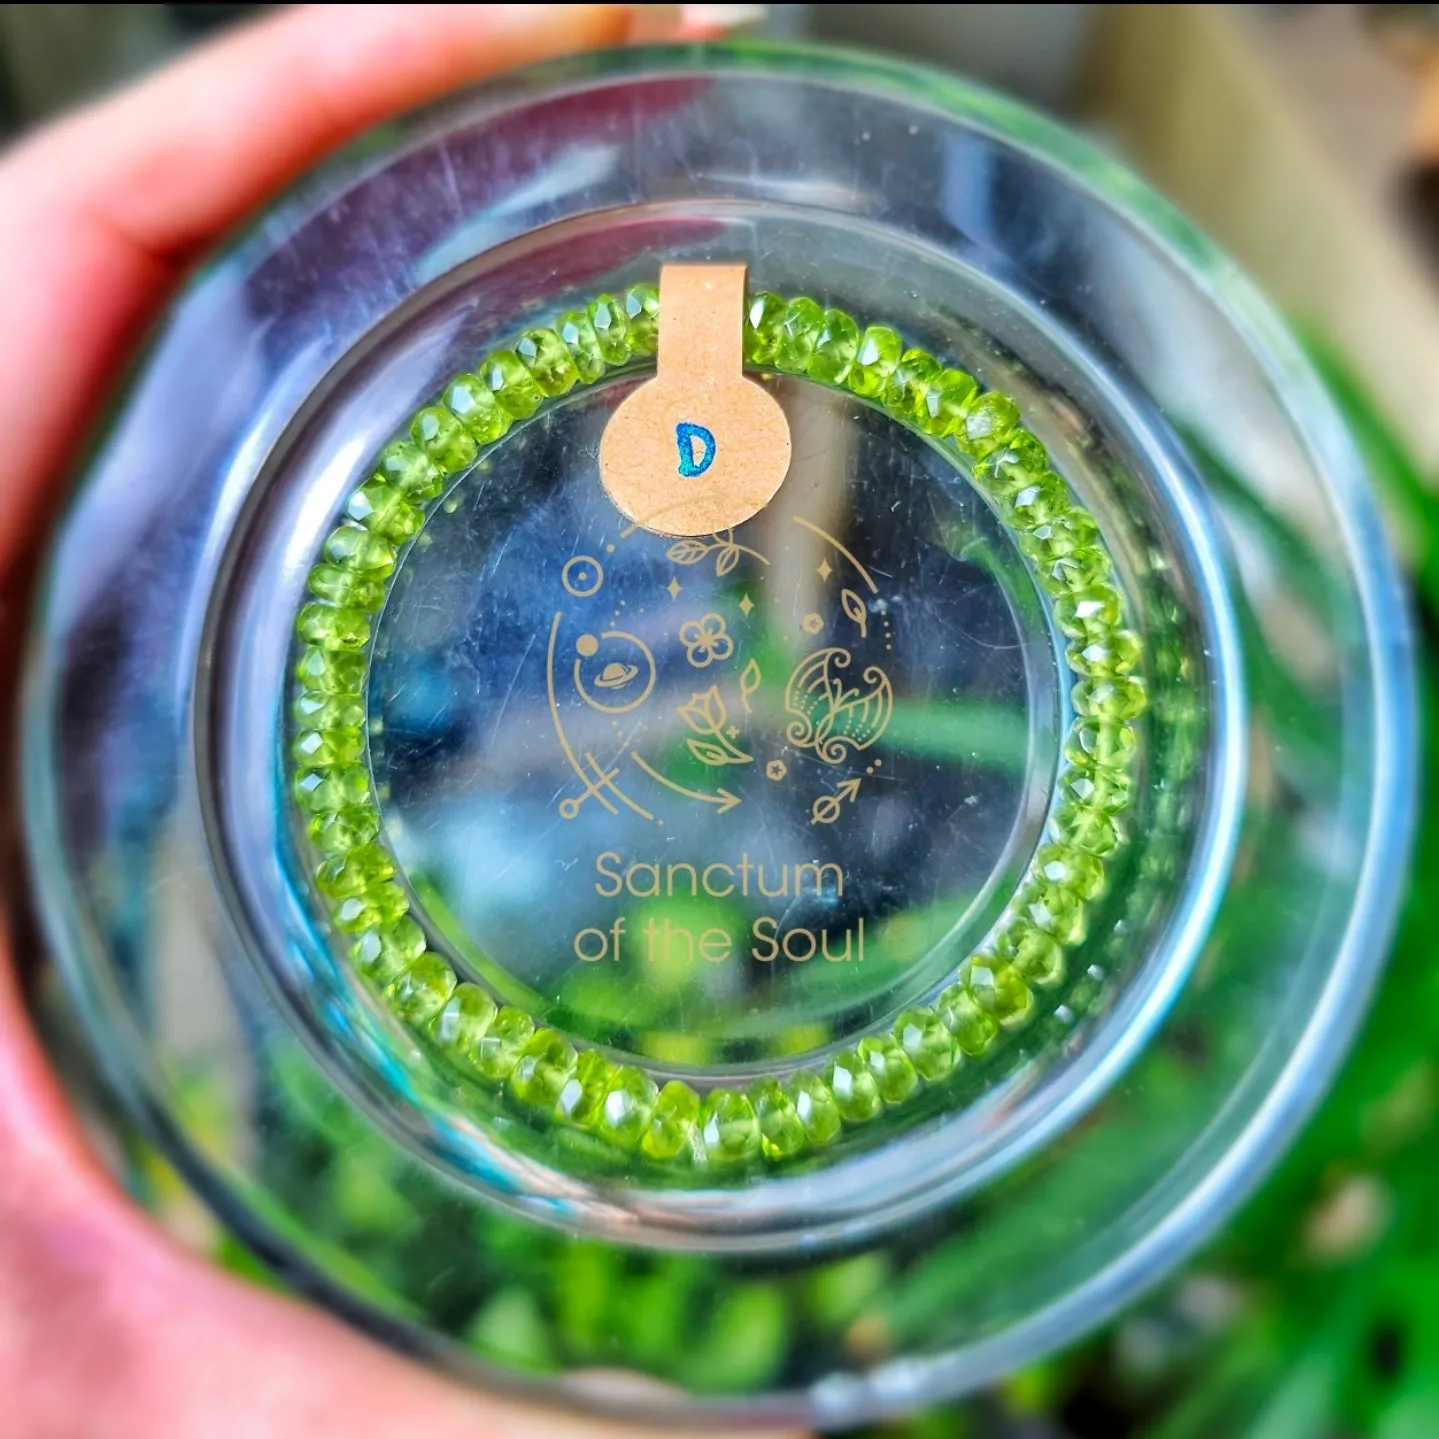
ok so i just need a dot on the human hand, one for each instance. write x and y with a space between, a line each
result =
106 1326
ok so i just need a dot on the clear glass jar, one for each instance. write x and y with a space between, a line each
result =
794 973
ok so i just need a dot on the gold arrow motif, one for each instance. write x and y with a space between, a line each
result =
722 798
828 807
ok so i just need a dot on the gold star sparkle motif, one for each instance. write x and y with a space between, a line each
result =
674 588
746 605
825 569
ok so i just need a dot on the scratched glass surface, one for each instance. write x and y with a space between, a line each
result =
625 724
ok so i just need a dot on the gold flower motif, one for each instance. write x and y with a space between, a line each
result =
776 770
706 641
706 715
812 624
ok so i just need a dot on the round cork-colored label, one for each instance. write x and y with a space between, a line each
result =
699 448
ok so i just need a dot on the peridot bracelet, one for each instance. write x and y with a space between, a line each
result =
503 1048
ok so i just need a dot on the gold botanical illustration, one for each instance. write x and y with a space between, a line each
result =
835 717
833 705
706 640
692 551
706 715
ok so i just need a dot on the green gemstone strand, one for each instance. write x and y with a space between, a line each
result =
540 1069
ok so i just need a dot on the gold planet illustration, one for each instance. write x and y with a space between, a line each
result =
615 676
621 684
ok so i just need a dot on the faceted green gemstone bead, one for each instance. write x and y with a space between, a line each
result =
893 1073
470 400
762 320
946 402
1036 955
927 1042
973 1027
546 1061
855 1092
1086 829
1077 570
347 830
642 314
331 672
627 1108
780 1132
989 424
464 1021
327 749
355 870
1006 471
1000 990
448 444
409 469
548 359
835 347
1089 614
375 908
1105 744
499 1048
1103 790
578 334
1037 504
1073 530
349 589
384 512
875 361
419 994
315 710
909 383
511 384
331 628
1053 909
382 955
1075 869
815 1107
1115 654
583 1096
728 1127
799 329
1119 698
330 791
354 548
675 1122
611 328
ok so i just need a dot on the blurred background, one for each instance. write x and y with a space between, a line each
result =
1305 139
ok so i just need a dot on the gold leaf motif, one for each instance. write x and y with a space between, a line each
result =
710 753
855 608
687 552
726 560
749 681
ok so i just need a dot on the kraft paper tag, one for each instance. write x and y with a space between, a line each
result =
699 448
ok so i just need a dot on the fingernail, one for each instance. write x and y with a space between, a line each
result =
721 19
655 23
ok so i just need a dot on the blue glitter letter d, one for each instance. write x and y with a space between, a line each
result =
685 437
